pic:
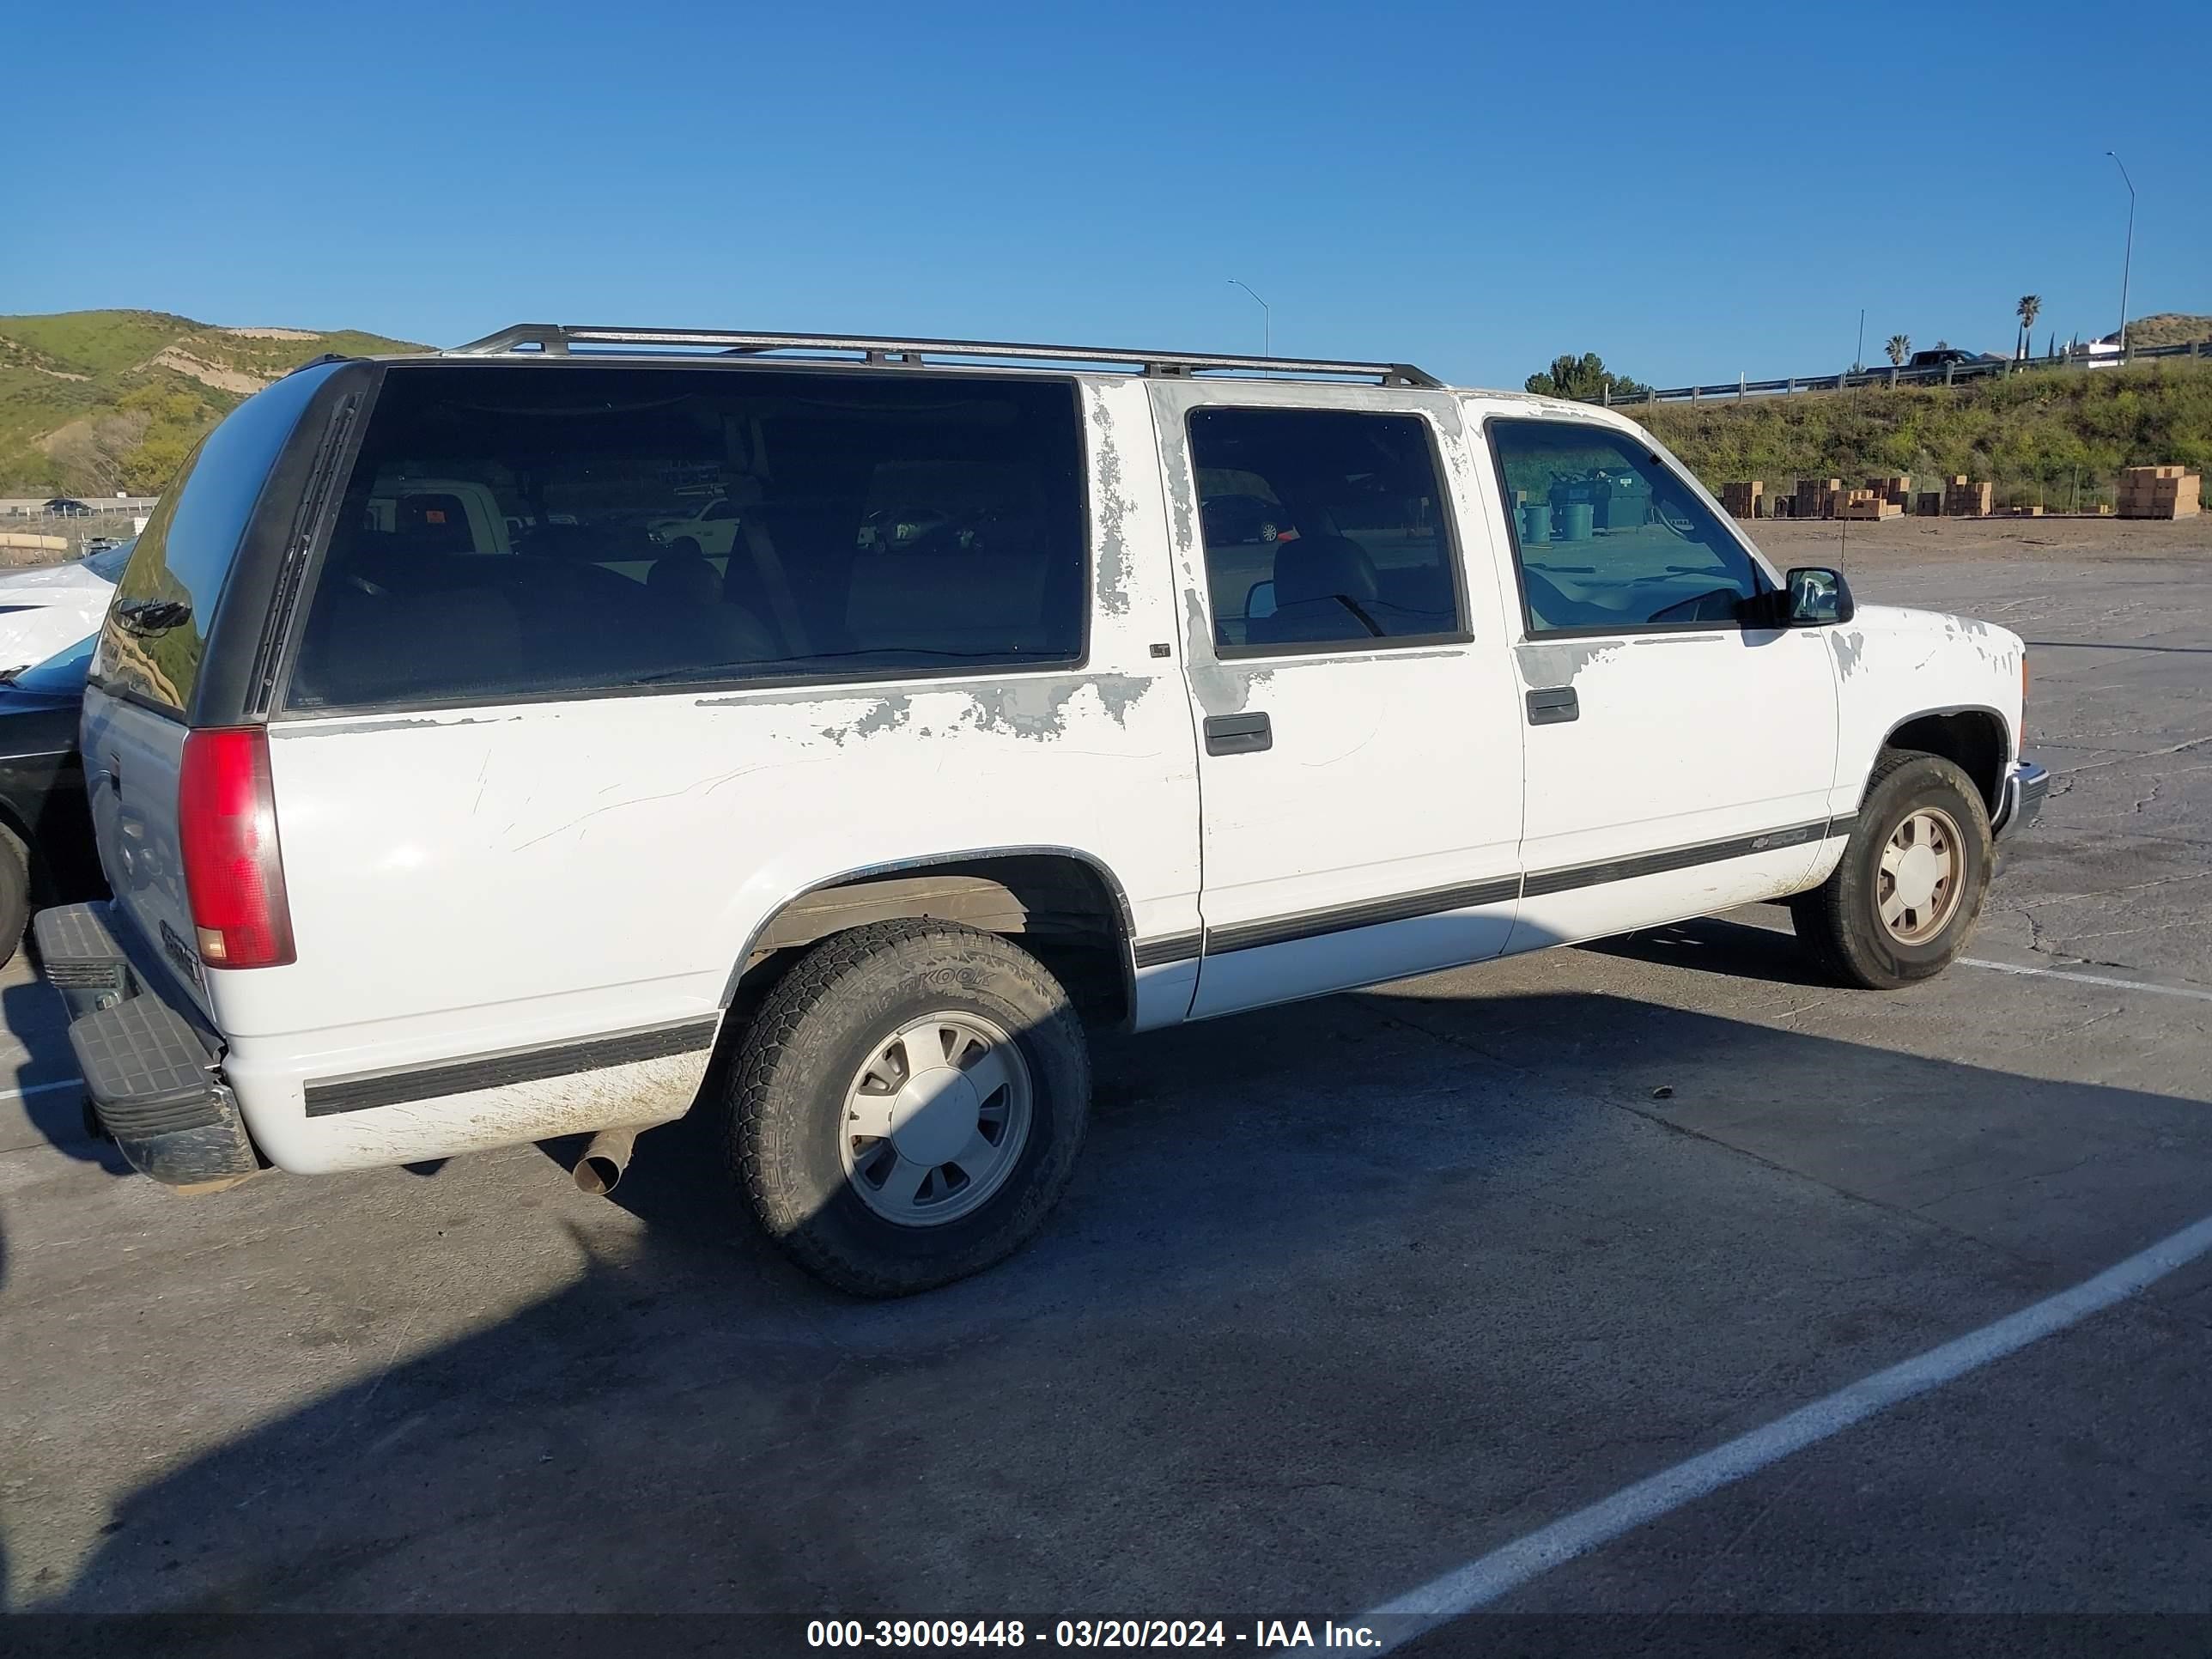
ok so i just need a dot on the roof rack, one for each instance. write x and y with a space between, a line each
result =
559 340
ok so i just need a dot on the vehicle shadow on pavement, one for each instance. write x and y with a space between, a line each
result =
40 1113
1710 946
1407 1269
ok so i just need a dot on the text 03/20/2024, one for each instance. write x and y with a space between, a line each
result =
1260 1636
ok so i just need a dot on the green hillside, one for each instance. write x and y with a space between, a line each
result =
2165 328
93 402
2055 435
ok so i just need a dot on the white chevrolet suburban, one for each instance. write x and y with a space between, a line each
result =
448 805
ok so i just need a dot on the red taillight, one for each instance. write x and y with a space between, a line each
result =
234 871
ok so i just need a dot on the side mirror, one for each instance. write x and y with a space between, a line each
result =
1817 597
1808 598
1260 601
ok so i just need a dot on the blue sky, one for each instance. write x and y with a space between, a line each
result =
1693 192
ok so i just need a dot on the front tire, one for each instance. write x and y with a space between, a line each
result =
1902 903
908 1105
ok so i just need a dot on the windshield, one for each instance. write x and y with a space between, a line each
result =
63 671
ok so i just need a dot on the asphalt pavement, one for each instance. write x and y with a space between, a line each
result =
1345 1297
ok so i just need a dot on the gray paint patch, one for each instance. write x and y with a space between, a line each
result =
1219 688
1112 510
1557 665
354 728
1175 469
1022 709
828 696
1849 648
888 715
1121 693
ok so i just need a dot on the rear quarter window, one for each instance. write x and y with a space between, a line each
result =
517 531
154 639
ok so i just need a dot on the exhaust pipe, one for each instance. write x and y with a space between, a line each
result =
605 1160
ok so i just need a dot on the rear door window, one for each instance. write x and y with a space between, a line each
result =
1322 527
155 634
511 532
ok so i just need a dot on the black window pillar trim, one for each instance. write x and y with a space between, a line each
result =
252 615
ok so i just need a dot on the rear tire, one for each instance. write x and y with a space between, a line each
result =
1902 903
964 1055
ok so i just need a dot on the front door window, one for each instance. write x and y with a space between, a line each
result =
1607 538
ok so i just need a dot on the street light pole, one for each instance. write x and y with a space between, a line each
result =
2128 259
1267 320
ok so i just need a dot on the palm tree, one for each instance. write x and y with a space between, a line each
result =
1900 348
2029 305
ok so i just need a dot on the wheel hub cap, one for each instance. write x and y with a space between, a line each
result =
1916 875
1918 884
933 1113
936 1119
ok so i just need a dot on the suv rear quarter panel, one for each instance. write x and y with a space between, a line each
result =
465 883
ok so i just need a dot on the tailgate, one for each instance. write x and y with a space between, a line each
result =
131 755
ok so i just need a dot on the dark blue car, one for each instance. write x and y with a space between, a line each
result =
47 851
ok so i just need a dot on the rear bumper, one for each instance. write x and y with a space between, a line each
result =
2021 805
154 1071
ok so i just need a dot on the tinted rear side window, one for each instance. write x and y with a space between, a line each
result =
165 603
1322 527
516 530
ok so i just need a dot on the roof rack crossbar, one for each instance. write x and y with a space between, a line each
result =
555 339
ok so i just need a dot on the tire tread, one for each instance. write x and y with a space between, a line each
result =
1825 918
756 1136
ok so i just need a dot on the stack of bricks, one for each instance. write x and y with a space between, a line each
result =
1817 498
1745 501
2018 513
1896 489
1929 503
2161 492
1962 500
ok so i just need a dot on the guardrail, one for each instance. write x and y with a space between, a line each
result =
28 507
1947 374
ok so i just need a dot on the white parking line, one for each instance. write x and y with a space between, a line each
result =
2088 979
42 1087
1482 1581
